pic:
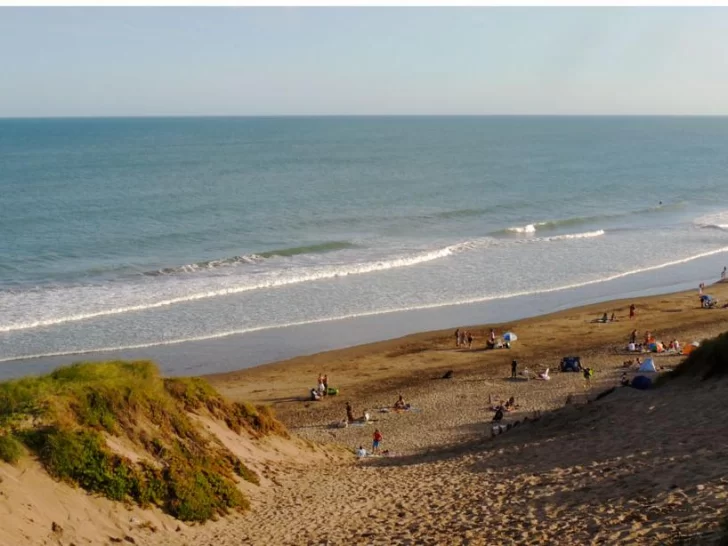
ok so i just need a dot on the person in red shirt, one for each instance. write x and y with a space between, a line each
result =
377 440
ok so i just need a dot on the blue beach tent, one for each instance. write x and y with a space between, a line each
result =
641 382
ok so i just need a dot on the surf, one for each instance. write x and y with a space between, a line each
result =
469 301
327 272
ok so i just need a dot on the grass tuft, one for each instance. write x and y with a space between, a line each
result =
10 449
65 417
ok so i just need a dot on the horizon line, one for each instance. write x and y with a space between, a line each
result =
269 116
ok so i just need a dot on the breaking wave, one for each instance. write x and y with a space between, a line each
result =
254 258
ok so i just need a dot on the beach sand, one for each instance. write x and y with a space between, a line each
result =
636 467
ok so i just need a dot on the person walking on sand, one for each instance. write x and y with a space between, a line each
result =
632 311
457 337
377 438
470 340
514 368
349 413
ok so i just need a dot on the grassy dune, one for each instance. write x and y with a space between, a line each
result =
709 361
75 418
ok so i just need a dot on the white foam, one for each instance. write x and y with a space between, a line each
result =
312 275
718 220
585 235
379 312
530 228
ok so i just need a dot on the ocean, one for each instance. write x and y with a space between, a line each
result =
129 236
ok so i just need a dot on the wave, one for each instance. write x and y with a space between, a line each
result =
718 220
481 299
254 258
549 225
585 235
530 228
315 275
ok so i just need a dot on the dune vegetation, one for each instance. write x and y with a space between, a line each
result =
75 418
708 361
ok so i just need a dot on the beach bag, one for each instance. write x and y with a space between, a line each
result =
332 391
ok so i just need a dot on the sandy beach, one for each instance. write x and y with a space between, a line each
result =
636 467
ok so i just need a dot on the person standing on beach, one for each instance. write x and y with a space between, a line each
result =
377 438
492 336
632 311
724 273
349 413
470 340
633 337
326 384
514 368
457 337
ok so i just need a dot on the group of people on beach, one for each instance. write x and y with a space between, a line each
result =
463 338
650 343
606 318
376 442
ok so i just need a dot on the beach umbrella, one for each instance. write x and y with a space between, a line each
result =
510 336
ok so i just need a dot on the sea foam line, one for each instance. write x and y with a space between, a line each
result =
356 269
374 313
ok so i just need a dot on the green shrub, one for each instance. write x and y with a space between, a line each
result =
82 457
63 417
10 449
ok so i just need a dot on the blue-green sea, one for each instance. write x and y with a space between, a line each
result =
121 234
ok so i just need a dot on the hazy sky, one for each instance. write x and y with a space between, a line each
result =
262 61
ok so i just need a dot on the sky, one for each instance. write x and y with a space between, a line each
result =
362 61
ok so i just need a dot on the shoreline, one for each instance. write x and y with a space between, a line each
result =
244 351
384 366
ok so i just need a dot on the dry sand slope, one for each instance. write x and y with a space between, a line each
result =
632 468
